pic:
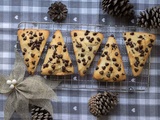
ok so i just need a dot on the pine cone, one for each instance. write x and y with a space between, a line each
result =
38 113
150 18
119 8
58 11
102 103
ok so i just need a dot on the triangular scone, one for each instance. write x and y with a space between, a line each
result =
32 42
138 47
85 44
110 66
57 60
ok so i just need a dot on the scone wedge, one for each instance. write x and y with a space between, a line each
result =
85 44
57 60
32 42
139 46
110 66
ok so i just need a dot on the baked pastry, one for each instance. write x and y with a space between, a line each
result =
138 45
32 42
57 60
110 66
85 44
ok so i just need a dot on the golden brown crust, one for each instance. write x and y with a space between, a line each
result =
32 42
139 46
110 66
57 60
85 44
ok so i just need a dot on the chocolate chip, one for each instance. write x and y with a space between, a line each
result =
119 69
125 38
50 72
82 55
84 72
31 32
98 39
150 45
124 33
108 75
53 36
83 60
79 61
102 55
97 68
25 38
89 57
23 53
23 35
59 43
83 50
129 39
45 65
106 53
84 63
71 64
75 34
35 35
41 39
94 52
139 41
101 72
137 49
106 64
151 40
136 64
88 38
58 61
141 47
132 33
141 64
79 45
108 58
87 32
114 59
81 39
31 37
25 50
64 50
33 67
33 62
40 34
116 53
146 50
50 59
32 55
63 68
116 64
103 67
95 33
27 64
26 59
117 76
114 79
90 48
107 45
135 69
53 67
111 69
140 36
112 35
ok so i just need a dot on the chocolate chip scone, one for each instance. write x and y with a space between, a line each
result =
32 42
57 60
110 66
139 46
85 44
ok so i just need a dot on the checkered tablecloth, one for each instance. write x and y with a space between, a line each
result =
72 104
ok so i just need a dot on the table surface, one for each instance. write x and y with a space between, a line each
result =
72 104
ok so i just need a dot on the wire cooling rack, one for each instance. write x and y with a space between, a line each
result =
132 84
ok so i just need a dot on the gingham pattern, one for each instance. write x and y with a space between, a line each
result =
72 104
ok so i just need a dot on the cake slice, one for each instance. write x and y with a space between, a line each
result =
57 60
85 45
139 46
110 66
32 42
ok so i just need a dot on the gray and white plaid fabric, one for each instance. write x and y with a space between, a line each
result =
72 104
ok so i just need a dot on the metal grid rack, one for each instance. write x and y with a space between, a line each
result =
132 84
